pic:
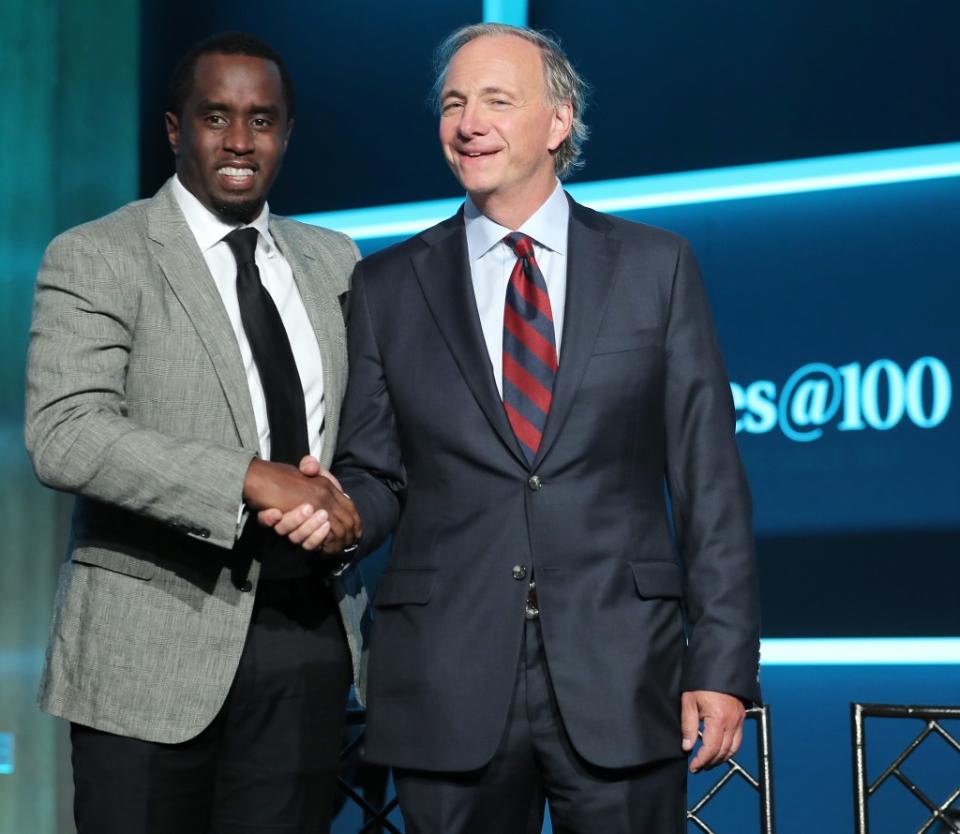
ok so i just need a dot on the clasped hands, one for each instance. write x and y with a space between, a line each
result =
305 505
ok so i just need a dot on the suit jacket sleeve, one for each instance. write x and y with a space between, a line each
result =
77 432
710 498
368 462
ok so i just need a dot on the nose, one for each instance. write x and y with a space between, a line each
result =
472 121
238 137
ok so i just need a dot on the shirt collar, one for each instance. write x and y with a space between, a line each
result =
547 226
207 228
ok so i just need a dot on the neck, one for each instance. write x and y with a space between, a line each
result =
513 210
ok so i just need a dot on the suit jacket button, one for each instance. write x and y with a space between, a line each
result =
519 572
534 482
246 586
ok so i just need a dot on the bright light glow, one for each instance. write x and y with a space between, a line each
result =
861 651
767 179
513 12
6 753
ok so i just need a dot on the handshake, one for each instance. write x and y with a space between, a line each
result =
305 505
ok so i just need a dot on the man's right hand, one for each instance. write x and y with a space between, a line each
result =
306 505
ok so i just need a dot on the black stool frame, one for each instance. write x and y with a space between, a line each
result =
862 790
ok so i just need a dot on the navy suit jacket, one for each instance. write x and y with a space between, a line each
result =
631 615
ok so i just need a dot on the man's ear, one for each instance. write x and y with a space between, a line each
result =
286 138
562 122
172 124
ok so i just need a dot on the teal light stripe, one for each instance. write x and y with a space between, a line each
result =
773 178
385 221
690 187
861 651
6 753
513 12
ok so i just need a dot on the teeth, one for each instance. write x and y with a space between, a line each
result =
236 172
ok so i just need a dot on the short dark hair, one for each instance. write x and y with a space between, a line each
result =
224 43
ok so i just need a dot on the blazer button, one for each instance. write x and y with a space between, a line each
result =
519 572
246 586
534 482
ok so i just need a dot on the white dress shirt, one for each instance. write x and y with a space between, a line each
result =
277 277
492 261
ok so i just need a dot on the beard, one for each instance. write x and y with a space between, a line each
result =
244 211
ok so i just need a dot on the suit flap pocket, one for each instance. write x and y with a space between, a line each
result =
114 560
658 579
405 587
618 342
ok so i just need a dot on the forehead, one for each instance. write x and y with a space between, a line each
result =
237 78
496 61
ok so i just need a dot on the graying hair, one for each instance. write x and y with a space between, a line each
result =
562 82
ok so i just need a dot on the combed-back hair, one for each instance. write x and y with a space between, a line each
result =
224 43
563 82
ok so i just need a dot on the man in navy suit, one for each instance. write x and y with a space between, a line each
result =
524 377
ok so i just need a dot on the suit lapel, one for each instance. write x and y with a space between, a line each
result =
185 270
592 258
319 290
443 270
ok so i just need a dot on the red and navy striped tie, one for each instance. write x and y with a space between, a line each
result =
529 347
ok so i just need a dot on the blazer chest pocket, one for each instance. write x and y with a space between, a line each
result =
405 587
658 580
620 342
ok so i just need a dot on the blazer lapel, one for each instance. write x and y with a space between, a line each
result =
319 292
443 270
592 259
186 272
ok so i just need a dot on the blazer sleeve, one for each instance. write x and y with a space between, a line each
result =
711 501
78 434
368 462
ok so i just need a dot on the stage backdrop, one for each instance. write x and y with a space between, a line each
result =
835 308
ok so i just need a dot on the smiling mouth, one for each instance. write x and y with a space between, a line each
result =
476 154
235 173
234 177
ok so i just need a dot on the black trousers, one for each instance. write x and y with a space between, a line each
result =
267 763
535 763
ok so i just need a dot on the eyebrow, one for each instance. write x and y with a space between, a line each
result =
486 91
210 104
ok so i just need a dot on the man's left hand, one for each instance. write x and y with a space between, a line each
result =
722 717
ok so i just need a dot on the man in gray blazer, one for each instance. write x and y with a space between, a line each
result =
185 351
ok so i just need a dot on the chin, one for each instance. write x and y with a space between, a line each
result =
477 185
238 211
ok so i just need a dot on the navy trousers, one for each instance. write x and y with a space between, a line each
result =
536 764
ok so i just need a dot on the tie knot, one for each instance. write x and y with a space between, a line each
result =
522 245
243 244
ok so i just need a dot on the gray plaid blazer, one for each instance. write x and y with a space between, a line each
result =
137 403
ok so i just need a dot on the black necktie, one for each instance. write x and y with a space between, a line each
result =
286 412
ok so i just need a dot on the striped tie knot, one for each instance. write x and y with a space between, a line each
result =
522 245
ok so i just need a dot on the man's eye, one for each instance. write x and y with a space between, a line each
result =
451 106
215 119
261 123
